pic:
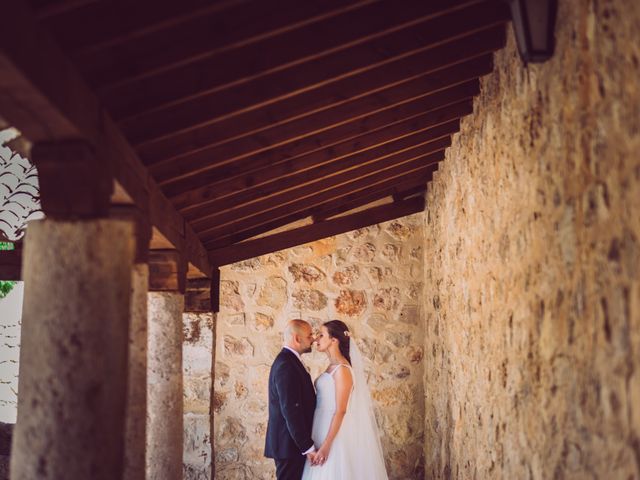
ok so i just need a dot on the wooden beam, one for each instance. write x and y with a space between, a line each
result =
311 233
188 196
210 33
11 265
320 83
292 121
400 191
100 23
167 271
296 187
268 183
271 158
348 201
305 200
197 297
48 9
358 39
45 98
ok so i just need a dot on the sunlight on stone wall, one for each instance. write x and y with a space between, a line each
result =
370 279
197 357
532 251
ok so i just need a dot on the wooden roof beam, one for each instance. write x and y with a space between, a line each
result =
194 197
298 236
257 131
222 85
279 159
404 148
411 180
296 195
44 97
329 87
306 199
151 51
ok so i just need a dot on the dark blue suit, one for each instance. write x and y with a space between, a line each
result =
292 401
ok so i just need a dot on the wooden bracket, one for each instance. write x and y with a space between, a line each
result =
167 271
11 264
74 184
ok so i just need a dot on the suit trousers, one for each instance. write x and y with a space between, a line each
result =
290 468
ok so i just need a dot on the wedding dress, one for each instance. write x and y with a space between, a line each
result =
356 452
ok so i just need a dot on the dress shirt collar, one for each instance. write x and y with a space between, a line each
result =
295 353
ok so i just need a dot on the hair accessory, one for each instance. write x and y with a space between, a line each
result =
347 333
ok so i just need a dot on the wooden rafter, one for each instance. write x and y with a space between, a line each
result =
284 205
253 248
321 89
294 188
304 58
438 121
181 38
44 97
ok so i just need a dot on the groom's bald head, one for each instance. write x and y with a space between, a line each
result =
298 335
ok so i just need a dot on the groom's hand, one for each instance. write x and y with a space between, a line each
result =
312 457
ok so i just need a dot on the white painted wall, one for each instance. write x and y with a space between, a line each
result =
10 322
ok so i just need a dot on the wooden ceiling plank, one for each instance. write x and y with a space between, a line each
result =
398 150
54 8
224 240
218 106
297 187
45 98
210 34
298 236
312 195
193 190
251 131
292 63
257 151
100 24
268 184
429 126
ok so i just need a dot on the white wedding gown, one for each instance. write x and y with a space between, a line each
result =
354 454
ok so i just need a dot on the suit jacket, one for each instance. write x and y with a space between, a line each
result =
292 402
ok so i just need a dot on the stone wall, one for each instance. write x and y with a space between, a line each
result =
372 280
532 277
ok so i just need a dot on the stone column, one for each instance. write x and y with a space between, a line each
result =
75 324
136 410
165 422
73 357
136 413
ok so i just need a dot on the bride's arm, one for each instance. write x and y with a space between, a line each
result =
344 382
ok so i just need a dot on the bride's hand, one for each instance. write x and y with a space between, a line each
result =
321 455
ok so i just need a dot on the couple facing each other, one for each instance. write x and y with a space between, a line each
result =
328 432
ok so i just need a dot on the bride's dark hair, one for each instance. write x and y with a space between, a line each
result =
338 330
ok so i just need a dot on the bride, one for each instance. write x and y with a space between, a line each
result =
344 432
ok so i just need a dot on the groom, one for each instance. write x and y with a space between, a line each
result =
292 401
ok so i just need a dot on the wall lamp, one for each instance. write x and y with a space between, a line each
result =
533 25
